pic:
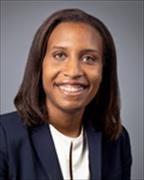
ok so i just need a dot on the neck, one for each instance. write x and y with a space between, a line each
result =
68 123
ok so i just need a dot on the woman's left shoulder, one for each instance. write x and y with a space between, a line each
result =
117 156
124 137
125 132
120 145
121 139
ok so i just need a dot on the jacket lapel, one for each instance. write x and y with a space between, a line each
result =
94 145
45 149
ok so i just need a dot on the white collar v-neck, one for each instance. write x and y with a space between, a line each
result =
80 160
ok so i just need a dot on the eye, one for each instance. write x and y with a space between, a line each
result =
59 55
89 59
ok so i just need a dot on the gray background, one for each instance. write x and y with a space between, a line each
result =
20 20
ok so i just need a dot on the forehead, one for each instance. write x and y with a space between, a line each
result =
76 33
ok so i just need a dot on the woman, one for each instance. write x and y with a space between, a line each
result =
67 124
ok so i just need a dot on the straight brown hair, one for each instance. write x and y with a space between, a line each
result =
104 110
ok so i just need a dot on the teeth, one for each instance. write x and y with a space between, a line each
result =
70 88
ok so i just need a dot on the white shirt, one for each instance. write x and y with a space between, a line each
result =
80 160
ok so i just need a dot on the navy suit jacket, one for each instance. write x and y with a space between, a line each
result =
29 153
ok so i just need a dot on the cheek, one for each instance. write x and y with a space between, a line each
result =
49 75
96 84
46 76
94 87
47 71
44 82
96 81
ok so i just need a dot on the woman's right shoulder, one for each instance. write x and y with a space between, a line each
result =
7 116
10 119
11 123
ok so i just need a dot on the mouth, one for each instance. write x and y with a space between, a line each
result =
72 89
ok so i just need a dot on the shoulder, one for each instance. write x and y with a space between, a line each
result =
9 117
11 120
12 125
122 140
14 143
119 149
125 144
117 157
124 136
13 134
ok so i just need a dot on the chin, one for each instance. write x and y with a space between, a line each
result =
72 108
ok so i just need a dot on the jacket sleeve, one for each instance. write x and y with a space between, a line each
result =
126 156
3 155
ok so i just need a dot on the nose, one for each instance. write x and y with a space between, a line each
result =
73 69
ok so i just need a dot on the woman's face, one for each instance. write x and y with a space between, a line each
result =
72 67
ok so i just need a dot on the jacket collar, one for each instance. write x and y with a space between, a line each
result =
45 149
94 144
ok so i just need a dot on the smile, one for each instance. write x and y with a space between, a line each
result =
72 90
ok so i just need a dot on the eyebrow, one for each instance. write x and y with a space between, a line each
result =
84 50
59 47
